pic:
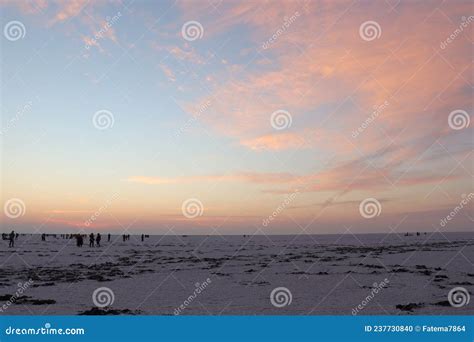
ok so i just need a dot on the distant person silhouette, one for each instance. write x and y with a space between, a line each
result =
12 239
97 239
43 237
108 238
91 240
143 237
79 240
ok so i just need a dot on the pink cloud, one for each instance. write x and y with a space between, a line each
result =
168 72
68 9
252 177
275 142
324 73
28 7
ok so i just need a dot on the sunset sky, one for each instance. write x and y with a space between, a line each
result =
298 110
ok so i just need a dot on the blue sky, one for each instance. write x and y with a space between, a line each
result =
191 117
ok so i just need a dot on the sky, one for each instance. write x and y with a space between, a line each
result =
237 117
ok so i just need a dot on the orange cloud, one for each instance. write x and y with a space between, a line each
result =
378 171
168 73
275 142
68 9
252 177
28 7
60 11
328 77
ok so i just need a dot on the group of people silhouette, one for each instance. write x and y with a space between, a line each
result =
94 240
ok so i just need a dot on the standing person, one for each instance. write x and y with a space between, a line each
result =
108 238
91 240
143 237
97 239
12 239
